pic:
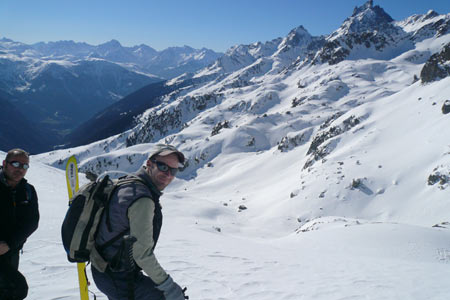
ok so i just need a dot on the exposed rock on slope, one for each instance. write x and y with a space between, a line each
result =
437 66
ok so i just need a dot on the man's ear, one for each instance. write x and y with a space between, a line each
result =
149 163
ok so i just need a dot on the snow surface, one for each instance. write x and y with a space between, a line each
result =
218 254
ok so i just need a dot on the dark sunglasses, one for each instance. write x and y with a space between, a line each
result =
18 164
163 167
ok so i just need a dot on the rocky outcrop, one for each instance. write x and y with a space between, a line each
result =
291 141
317 150
170 119
437 66
441 180
446 107
440 177
333 131
219 126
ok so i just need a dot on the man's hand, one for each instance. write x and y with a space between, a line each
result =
171 290
3 247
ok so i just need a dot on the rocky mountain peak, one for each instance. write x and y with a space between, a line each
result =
367 5
431 14
4 39
367 31
298 35
367 17
111 44
297 39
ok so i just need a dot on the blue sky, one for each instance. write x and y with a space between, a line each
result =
214 24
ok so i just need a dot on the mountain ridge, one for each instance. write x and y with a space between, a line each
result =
142 58
242 64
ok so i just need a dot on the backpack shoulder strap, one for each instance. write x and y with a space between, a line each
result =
114 186
129 179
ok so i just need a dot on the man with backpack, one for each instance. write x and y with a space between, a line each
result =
129 230
19 218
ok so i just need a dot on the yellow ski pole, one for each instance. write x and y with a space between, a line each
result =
72 188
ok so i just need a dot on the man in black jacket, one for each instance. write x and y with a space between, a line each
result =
19 218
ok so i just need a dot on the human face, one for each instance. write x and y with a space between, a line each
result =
159 178
15 174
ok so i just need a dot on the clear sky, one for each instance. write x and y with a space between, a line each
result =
214 24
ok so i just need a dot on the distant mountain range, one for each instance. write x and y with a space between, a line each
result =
246 84
250 76
164 64
60 85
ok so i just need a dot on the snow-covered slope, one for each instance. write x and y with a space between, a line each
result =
219 252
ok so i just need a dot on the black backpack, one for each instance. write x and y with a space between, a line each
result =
81 222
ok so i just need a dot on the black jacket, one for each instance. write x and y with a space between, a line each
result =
19 213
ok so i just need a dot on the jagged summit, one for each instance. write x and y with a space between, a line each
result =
368 32
5 40
298 36
367 17
112 44
431 14
295 45
367 5
300 30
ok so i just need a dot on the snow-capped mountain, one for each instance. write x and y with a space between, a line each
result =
166 63
60 85
270 53
333 127
58 95
371 33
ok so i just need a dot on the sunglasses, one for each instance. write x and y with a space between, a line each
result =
163 167
18 164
